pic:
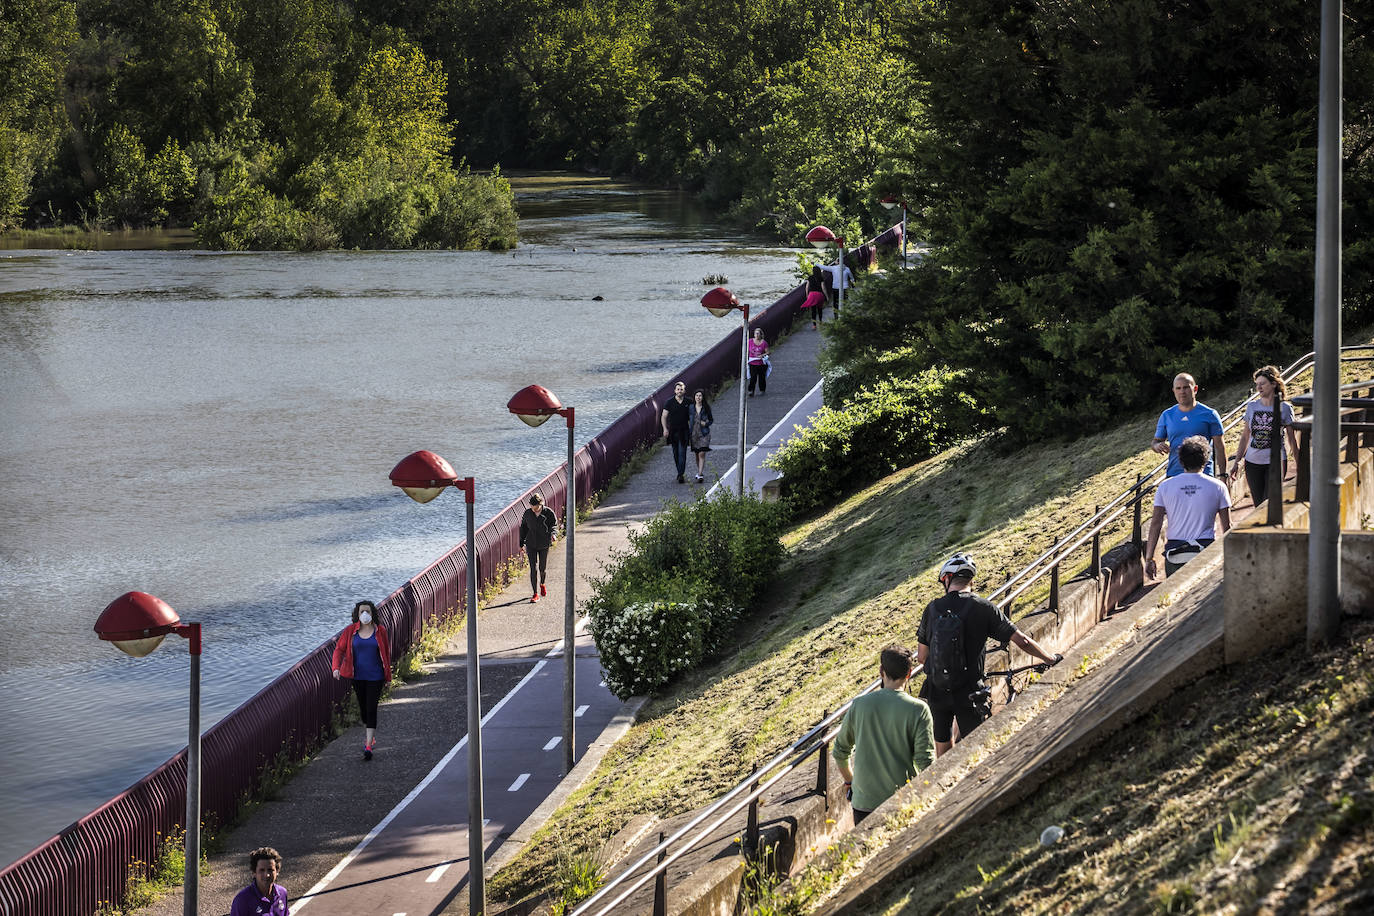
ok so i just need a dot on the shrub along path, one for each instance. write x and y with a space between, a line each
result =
330 805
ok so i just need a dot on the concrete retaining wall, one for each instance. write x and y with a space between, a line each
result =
1265 598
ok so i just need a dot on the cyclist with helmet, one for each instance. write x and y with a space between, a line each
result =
951 643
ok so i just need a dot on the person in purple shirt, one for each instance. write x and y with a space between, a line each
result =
1189 417
262 897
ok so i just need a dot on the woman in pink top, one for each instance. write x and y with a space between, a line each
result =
758 367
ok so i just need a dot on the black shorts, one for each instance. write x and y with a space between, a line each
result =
945 708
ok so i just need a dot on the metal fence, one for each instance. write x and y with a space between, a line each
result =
90 861
749 793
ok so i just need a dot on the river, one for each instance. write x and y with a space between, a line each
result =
217 428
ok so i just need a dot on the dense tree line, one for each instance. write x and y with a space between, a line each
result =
1113 192
265 123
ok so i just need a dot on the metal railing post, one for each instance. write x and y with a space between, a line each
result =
1135 522
1097 546
1304 485
1276 446
1054 579
823 770
661 881
751 832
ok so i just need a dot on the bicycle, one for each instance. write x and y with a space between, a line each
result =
982 697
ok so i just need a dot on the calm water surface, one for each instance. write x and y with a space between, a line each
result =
217 429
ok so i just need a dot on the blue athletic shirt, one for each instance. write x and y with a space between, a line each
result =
367 658
1176 425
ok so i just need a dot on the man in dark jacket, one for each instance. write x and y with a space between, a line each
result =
537 528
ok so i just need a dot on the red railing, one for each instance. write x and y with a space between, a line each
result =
89 861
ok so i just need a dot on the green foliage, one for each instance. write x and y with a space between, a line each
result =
35 38
579 876
673 596
1109 200
891 424
140 191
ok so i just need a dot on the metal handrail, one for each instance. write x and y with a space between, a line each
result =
1003 596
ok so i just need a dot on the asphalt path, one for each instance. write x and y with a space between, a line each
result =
415 860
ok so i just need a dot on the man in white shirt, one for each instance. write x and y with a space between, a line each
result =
1192 501
841 279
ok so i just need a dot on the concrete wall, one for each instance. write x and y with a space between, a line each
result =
1265 573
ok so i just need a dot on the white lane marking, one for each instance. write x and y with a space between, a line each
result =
398 914
581 710
403 803
553 742
519 781
438 873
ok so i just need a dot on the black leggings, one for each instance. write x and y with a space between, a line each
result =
758 374
1257 476
368 693
539 560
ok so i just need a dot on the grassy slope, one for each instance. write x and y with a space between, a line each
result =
1251 792
856 578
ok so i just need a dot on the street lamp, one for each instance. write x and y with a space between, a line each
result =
721 302
136 623
889 203
534 404
822 237
422 476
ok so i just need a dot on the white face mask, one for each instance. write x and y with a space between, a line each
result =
364 617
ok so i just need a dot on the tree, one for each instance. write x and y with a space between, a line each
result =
35 36
1115 192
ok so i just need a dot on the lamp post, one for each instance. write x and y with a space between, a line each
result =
423 475
721 302
822 237
136 623
534 404
890 202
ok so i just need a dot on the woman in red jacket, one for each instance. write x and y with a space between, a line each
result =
363 653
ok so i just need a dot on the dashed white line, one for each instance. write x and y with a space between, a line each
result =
438 873
519 781
581 710
553 742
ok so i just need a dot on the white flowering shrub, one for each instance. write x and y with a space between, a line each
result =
675 595
644 645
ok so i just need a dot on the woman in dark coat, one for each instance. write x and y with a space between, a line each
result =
699 422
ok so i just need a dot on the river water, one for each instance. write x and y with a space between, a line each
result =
217 428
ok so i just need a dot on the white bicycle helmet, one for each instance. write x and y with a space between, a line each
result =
961 564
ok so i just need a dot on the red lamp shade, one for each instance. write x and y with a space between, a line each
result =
720 302
136 623
423 475
890 202
820 237
534 404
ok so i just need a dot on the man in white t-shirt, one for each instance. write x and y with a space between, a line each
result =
841 280
1192 501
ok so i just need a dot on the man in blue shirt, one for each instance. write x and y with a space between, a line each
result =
1189 417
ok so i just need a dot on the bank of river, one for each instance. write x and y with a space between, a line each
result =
216 428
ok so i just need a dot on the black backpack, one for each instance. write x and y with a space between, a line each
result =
947 662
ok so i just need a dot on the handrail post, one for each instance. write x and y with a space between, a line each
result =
661 881
1135 522
1097 545
1054 578
1274 517
1304 485
823 770
751 832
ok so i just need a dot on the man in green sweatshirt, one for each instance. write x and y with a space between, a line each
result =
889 735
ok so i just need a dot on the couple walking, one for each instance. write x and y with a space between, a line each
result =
687 424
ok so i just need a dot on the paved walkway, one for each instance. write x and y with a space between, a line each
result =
389 836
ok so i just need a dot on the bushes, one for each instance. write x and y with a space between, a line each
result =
889 425
673 597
